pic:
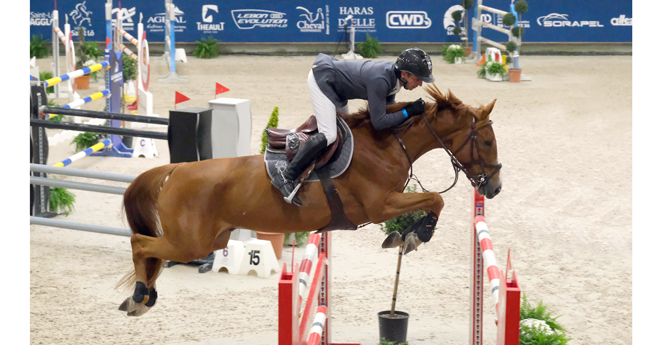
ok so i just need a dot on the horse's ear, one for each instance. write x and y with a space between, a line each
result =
453 99
489 108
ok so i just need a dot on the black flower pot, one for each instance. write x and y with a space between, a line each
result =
393 329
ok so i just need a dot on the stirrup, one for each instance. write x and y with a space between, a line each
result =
289 199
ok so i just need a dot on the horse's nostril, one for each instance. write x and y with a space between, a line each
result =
497 191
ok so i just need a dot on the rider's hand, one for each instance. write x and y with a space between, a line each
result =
415 108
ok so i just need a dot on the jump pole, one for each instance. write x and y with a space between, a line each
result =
506 297
169 56
144 103
296 328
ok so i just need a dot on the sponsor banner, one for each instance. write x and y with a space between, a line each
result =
330 20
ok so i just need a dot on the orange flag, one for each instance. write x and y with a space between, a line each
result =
220 89
179 97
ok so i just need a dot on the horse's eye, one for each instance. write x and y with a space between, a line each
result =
488 143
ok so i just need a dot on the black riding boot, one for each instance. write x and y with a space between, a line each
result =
309 152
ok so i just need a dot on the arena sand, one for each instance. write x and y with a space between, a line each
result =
565 140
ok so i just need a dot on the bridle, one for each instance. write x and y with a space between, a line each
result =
477 181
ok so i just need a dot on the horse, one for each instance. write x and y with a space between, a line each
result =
182 212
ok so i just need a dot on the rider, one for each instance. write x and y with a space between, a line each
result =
332 83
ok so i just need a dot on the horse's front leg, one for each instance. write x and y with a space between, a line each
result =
397 204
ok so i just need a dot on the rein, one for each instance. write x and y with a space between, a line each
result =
476 181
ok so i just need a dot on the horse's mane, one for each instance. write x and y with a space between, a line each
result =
442 102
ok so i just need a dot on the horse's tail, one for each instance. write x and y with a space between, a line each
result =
141 208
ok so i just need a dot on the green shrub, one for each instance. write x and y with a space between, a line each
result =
457 15
130 67
86 140
511 47
206 48
58 118
451 52
509 19
457 30
491 67
38 47
384 341
518 31
301 238
537 335
45 76
403 221
467 4
61 200
272 123
370 48
92 50
521 6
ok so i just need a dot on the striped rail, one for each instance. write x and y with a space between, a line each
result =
311 255
60 34
489 258
77 73
318 326
93 97
81 154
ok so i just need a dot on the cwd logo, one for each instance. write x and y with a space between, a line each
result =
621 21
407 20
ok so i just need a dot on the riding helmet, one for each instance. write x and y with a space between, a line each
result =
416 61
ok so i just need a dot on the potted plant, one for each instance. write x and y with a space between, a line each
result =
38 47
61 200
206 48
537 326
459 15
492 70
86 54
276 239
370 48
509 19
453 53
393 324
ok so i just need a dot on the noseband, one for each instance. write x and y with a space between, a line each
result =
476 181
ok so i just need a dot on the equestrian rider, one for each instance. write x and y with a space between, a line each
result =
332 83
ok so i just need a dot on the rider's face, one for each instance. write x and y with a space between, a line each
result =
412 80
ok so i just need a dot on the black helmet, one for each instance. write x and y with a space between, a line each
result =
416 61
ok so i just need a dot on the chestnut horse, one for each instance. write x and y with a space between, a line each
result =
182 212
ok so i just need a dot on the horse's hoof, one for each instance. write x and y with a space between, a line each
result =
393 240
141 310
130 306
124 305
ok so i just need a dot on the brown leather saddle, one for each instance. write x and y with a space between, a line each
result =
291 141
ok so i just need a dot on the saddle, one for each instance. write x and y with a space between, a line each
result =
291 140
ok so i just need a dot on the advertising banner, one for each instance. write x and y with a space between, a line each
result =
328 21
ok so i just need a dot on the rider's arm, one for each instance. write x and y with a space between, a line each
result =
377 96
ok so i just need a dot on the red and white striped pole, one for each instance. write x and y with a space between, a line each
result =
311 255
318 326
489 258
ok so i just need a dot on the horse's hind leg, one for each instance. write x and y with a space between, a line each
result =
163 248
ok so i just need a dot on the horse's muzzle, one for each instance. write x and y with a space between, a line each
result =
491 189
